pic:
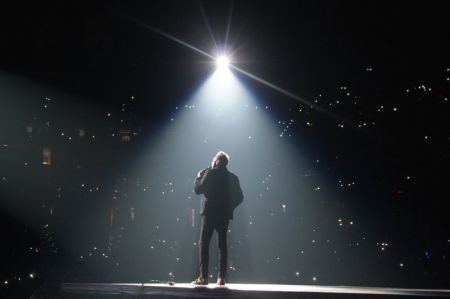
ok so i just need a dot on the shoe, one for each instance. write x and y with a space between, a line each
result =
200 281
220 281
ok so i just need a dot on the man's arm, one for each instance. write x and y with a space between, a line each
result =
238 195
201 182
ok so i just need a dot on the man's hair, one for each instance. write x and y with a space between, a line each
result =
223 157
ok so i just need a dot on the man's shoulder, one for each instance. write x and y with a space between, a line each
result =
234 176
212 170
221 172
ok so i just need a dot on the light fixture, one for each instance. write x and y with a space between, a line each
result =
222 62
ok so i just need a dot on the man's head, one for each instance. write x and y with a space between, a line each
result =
220 160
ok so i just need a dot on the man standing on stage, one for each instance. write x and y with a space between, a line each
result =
220 193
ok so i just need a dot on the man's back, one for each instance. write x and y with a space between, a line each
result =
221 192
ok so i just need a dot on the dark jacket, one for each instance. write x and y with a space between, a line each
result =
220 192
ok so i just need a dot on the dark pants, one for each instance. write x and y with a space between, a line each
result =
209 224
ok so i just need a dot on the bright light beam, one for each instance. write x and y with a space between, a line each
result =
229 24
177 40
208 26
287 93
260 80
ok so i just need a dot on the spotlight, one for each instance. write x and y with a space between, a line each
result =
222 62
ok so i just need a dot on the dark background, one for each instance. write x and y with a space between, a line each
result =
93 57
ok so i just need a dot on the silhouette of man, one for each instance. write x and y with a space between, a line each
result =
220 193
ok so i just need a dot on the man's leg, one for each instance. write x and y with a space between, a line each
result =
205 238
222 229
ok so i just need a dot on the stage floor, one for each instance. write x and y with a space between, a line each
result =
236 290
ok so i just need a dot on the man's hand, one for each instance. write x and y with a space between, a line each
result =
201 173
